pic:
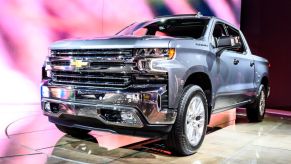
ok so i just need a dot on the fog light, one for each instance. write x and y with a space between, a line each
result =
126 116
47 107
129 118
120 117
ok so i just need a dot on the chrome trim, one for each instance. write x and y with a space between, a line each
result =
90 110
117 69
142 98
105 63
104 81
84 61
119 59
92 52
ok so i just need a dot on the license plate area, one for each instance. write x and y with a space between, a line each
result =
62 93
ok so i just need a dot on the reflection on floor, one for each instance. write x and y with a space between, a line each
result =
27 137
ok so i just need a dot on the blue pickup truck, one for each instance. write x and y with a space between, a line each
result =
162 77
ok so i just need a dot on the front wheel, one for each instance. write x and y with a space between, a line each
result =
189 129
256 111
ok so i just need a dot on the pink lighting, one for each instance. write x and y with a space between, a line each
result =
28 27
180 6
223 10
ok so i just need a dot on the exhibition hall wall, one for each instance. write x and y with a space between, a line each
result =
266 24
28 27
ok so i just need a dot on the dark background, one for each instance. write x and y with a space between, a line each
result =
267 27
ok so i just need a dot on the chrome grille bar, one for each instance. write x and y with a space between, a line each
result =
125 53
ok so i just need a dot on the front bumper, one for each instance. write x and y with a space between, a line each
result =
136 107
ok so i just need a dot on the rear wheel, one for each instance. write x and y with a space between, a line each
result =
75 132
256 111
189 129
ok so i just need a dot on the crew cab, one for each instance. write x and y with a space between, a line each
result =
163 77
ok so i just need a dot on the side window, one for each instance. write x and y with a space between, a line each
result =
235 33
218 31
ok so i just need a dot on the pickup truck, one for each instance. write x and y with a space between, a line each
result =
163 77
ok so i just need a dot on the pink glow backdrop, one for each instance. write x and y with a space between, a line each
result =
28 27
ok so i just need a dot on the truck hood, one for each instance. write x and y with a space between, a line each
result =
114 42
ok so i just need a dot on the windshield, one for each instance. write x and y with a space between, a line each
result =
187 27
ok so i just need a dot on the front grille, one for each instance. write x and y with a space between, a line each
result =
94 53
104 68
91 78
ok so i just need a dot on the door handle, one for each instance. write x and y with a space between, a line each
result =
252 64
235 61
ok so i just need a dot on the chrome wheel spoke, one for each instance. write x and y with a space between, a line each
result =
195 120
201 122
190 130
200 110
194 134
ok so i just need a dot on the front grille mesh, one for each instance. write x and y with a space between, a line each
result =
106 68
165 100
91 78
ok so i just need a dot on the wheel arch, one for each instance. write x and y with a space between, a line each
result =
202 79
266 83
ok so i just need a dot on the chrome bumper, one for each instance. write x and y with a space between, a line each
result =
134 106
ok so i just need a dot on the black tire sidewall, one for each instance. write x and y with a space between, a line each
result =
253 110
185 148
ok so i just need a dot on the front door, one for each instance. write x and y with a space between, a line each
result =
234 75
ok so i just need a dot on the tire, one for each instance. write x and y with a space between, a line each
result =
75 132
256 111
180 141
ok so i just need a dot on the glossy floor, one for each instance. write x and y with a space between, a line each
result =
27 137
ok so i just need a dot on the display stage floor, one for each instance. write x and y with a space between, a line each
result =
26 136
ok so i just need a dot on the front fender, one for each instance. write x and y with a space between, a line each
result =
187 74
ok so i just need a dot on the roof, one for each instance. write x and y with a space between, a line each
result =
198 15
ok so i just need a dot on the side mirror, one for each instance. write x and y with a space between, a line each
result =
227 42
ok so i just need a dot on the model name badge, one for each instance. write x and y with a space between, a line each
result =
200 44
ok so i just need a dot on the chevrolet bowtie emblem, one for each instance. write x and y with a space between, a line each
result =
78 63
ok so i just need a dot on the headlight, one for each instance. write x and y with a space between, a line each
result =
151 57
167 53
46 69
